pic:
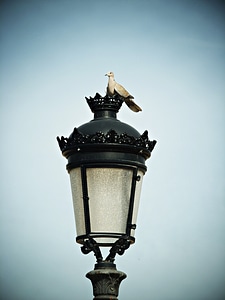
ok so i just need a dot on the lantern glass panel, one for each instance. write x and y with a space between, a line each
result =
78 204
109 199
137 199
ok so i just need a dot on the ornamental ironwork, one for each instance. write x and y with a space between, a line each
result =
99 102
111 137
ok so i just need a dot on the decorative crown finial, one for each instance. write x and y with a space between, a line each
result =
99 102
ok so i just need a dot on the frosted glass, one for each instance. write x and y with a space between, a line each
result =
137 199
76 186
109 197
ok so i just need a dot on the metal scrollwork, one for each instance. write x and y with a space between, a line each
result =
118 247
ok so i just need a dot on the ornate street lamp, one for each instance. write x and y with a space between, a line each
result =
106 163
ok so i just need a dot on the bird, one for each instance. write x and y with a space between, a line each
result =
115 88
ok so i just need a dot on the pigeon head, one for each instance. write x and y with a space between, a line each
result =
109 74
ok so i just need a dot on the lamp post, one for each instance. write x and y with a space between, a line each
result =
106 163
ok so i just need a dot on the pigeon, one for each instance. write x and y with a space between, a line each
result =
114 87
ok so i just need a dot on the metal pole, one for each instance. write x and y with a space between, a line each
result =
105 281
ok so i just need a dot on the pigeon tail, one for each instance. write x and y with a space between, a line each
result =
132 105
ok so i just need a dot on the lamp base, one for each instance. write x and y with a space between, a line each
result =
105 281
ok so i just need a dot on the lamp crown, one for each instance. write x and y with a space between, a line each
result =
99 102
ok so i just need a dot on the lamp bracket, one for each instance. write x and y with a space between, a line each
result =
91 245
118 247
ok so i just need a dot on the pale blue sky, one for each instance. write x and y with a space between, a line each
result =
170 56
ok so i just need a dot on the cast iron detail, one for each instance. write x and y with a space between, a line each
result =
112 137
106 282
107 102
91 245
118 247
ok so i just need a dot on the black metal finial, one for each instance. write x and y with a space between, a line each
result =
99 102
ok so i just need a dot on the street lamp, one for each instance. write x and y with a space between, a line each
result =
106 163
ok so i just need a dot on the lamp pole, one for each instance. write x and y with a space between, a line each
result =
106 280
106 163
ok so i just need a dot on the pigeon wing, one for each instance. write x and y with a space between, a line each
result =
122 91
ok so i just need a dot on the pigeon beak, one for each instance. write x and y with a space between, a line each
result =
106 74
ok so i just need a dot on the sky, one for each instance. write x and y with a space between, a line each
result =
170 56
